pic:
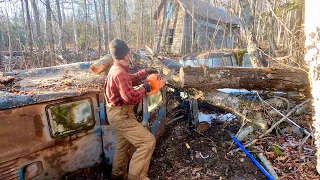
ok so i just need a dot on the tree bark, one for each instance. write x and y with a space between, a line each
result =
109 20
105 30
49 32
8 68
36 15
98 27
141 23
151 24
247 22
61 34
245 78
312 32
120 18
160 32
74 27
23 14
86 42
30 38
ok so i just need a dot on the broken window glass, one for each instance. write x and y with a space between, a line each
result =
170 36
70 117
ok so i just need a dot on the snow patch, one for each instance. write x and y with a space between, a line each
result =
209 117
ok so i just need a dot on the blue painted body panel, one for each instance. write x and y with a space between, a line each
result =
159 118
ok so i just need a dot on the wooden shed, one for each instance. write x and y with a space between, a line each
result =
184 26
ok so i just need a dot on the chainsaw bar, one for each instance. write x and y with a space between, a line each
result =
169 75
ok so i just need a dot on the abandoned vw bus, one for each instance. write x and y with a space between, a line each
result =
53 121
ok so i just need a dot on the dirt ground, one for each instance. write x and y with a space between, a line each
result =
172 159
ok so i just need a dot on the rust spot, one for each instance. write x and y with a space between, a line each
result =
53 159
60 162
75 148
22 115
32 157
8 112
64 143
38 125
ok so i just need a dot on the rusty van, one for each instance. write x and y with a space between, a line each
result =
53 121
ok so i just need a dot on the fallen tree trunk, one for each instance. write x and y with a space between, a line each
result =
289 79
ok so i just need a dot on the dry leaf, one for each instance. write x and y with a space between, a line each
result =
182 170
67 83
197 155
214 149
22 92
270 154
32 92
196 169
281 158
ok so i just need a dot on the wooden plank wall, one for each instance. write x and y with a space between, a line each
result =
204 35
176 23
181 22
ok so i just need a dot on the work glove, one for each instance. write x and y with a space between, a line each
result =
155 83
151 70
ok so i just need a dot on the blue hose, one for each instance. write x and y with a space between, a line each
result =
251 158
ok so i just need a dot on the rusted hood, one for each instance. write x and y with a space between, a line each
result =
45 84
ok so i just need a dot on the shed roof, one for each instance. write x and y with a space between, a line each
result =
203 9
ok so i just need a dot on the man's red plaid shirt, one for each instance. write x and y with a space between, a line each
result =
119 87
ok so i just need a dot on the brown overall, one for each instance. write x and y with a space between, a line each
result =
130 133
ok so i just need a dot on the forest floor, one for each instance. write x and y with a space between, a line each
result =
172 159
291 155
207 158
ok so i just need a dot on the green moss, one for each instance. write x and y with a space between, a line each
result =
276 150
238 54
64 115
251 148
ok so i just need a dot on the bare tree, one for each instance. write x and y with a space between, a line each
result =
86 41
120 18
30 38
248 26
125 20
8 68
61 33
74 27
151 24
36 15
161 28
105 30
49 34
141 23
98 27
23 13
109 20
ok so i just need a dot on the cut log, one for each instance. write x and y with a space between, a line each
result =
103 64
289 79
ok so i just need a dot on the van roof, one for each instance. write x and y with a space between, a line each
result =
38 85
206 55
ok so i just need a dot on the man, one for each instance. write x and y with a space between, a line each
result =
120 97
